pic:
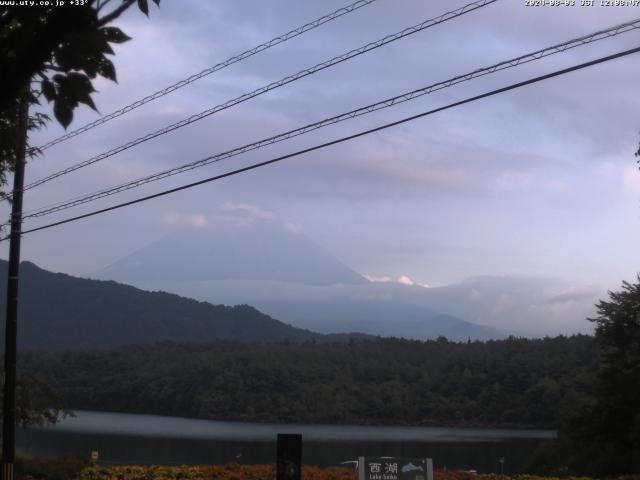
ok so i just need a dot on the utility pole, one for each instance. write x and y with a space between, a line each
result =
11 325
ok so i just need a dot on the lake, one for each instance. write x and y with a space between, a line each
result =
148 439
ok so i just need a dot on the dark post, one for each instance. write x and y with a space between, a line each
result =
11 325
289 463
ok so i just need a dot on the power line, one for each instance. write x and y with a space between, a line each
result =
389 102
230 61
284 81
339 140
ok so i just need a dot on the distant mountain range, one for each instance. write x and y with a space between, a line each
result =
282 272
263 251
306 294
58 311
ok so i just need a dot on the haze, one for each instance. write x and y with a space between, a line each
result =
536 187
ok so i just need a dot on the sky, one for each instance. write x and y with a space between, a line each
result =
536 182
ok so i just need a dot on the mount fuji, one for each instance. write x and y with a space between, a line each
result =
284 274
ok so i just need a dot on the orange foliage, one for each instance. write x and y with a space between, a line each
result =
230 471
268 472
235 471
458 475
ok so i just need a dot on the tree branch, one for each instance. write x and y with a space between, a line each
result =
115 13
102 4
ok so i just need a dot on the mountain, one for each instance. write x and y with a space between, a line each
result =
283 273
524 306
381 309
260 251
58 311
479 308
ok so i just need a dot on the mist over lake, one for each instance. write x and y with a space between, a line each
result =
149 439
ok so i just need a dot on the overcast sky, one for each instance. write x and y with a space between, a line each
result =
540 181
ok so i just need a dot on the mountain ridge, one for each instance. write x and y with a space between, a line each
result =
286 275
59 311
262 251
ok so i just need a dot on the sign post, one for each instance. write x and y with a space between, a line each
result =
391 468
289 456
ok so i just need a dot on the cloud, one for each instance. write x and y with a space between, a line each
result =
171 218
402 280
504 185
434 166
405 280
573 295
236 220
631 181
374 279
514 181
192 219
198 220
237 214
293 227
392 160
242 214
248 209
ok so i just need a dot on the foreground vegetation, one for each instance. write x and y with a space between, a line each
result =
592 384
77 470
508 383
264 472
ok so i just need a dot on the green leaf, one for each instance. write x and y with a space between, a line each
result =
73 89
68 55
48 89
106 48
99 42
87 100
144 7
62 112
115 35
107 70
82 89
80 82
91 63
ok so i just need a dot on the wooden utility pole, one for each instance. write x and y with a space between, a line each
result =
11 320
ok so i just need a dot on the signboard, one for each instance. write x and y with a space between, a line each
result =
392 468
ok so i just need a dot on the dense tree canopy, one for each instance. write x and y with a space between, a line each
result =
53 53
513 382
603 437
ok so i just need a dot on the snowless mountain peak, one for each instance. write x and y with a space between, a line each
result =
262 250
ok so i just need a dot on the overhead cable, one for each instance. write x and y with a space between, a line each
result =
272 86
337 141
208 71
389 102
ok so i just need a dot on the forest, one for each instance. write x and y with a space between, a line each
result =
508 383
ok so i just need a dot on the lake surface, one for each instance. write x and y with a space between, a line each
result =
148 439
